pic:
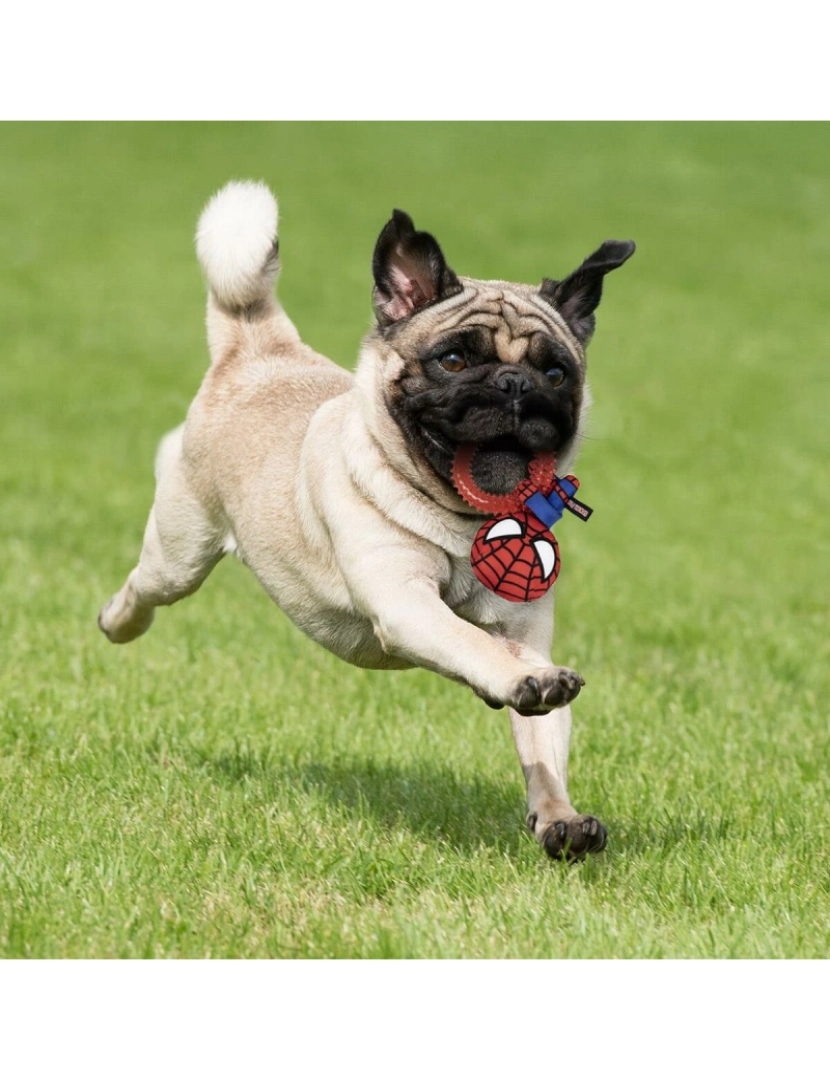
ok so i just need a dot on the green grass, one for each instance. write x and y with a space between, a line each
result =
225 788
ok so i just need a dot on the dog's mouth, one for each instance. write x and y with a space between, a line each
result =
498 465
499 446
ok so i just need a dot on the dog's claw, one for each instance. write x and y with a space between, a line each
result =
554 839
529 695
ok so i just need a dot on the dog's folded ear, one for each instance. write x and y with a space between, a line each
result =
409 269
578 295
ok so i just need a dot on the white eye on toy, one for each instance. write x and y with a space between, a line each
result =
546 556
503 528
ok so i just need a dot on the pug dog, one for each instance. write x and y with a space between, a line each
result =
337 490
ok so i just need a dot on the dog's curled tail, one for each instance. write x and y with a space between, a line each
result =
236 242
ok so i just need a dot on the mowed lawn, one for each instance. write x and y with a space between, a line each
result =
223 787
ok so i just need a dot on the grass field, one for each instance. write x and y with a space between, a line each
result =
223 787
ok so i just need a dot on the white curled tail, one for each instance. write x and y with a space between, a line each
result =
237 246
236 241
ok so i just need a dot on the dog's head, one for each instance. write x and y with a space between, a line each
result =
495 364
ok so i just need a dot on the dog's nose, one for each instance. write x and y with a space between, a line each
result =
513 383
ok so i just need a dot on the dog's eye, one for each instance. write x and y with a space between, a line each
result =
453 361
556 376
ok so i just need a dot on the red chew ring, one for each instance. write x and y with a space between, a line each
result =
542 471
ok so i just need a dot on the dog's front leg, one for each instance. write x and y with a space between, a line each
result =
543 743
417 625
402 597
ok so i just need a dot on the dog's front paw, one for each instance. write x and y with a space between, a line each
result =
547 689
571 838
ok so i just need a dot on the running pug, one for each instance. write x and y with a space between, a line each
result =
336 489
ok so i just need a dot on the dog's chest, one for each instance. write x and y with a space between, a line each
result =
471 600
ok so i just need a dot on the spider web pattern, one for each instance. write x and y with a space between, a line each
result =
510 566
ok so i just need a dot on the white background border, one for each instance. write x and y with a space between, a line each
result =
426 60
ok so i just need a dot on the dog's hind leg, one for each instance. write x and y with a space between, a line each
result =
181 547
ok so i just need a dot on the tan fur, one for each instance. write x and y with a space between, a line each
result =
299 468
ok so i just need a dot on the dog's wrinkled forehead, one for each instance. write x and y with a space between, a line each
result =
511 315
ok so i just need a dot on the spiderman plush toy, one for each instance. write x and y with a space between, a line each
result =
514 553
